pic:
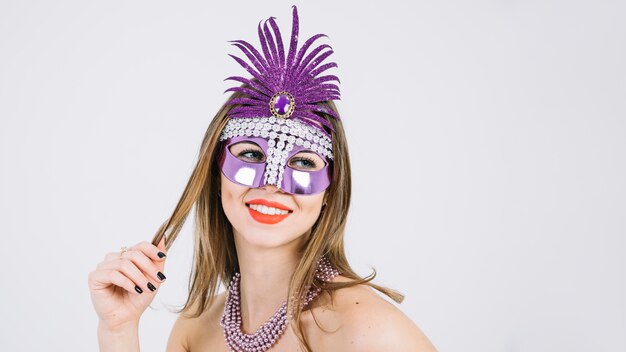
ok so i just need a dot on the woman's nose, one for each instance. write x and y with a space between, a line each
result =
271 188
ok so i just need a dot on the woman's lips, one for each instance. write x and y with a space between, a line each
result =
268 212
271 204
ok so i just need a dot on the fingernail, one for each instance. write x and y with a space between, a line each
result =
138 289
151 287
161 276
161 254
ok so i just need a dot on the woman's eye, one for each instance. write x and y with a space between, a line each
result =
305 163
252 155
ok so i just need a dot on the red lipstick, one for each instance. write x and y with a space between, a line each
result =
266 218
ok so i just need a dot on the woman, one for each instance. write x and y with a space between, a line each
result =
271 191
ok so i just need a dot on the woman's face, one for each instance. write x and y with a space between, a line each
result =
266 216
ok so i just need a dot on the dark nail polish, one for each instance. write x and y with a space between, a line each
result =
161 254
138 289
151 287
161 276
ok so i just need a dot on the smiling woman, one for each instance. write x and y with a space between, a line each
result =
271 191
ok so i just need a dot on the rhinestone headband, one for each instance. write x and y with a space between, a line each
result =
285 87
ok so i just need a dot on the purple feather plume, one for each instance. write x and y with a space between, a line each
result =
274 73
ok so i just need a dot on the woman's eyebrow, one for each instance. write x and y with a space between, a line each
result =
246 142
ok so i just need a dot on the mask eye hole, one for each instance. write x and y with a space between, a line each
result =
247 151
306 161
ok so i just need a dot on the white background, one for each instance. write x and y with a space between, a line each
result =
487 140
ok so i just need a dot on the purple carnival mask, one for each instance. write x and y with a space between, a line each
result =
280 111
280 140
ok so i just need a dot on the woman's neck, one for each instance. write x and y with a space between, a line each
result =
265 276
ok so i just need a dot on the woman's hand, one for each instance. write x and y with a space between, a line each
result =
123 285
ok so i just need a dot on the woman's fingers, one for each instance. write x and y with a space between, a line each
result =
157 254
121 275
138 269
129 269
105 277
151 251
146 265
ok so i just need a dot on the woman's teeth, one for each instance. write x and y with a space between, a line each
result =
267 210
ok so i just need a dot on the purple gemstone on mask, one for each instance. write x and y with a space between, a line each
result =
282 104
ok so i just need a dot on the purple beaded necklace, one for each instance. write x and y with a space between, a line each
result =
268 333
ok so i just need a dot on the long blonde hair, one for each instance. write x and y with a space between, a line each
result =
215 257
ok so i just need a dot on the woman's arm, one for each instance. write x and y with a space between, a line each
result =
122 339
177 341
370 323
380 329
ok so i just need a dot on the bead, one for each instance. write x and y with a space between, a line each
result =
266 335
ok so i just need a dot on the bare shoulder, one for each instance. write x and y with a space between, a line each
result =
361 320
191 333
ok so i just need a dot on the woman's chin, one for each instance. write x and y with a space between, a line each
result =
267 238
